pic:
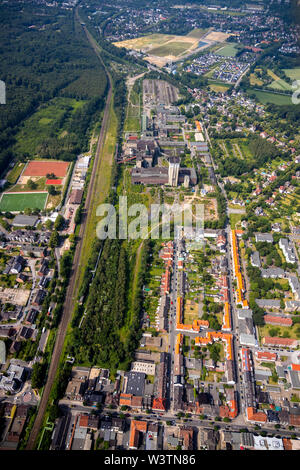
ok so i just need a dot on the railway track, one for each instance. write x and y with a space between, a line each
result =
70 294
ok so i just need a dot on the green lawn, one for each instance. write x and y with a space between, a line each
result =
229 50
234 220
21 201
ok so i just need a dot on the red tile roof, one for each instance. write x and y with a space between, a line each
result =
273 319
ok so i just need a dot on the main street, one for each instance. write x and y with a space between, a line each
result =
172 322
230 277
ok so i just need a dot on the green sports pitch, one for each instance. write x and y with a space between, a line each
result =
16 202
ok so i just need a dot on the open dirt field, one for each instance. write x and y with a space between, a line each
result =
217 36
162 48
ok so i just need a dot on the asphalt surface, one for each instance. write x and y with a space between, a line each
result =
69 301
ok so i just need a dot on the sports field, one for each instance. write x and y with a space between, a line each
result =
42 168
16 202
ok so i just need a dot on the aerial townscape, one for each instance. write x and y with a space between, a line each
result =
160 335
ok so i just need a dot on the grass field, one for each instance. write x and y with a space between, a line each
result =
266 97
174 48
14 174
281 85
218 86
294 74
44 123
235 220
133 115
229 50
197 33
145 42
20 201
278 83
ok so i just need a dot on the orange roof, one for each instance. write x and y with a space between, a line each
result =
83 421
280 341
253 415
179 310
296 367
198 125
229 410
278 320
135 428
238 296
136 401
125 399
159 404
287 444
215 335
198 323
233 408
226 317
266 355
179 341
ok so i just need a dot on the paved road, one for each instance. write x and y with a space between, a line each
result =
69 301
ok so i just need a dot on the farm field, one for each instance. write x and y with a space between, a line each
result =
16 202
254 80
269 97
278 83
294 74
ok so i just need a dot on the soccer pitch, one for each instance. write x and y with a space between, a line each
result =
16 202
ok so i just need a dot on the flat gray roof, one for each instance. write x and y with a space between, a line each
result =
23 220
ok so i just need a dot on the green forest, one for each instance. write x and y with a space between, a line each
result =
37 66
110 331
